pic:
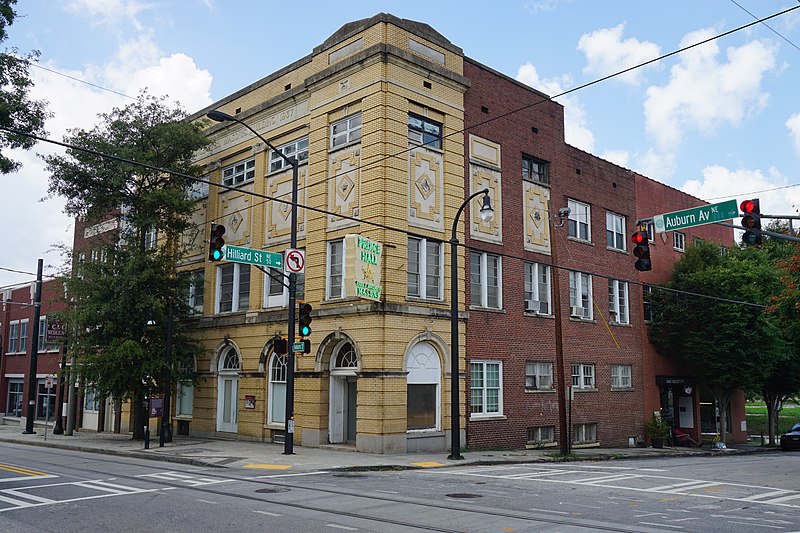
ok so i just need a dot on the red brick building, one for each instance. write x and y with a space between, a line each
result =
617 377
16 330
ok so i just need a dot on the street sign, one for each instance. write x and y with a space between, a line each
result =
696 216
303 346
295 261
56 330
237 254
48 382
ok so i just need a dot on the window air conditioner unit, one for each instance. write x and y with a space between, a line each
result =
576 311
532 305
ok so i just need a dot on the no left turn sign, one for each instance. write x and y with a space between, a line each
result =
295 261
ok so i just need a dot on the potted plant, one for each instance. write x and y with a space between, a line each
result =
658 431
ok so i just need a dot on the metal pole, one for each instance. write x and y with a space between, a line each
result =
561 389
455 402
166 426
37 310
288 441
58 428
71 407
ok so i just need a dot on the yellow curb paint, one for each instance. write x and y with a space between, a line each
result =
268 467
428 464
21 470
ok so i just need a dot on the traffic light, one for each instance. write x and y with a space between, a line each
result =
751 222
280 346
216 242
642 251
304 320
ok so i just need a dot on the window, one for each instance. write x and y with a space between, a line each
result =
276 287
424 268
13 337
424 375
618 301
580 295
197 189
277 389
233 287
537 288
346 131
239 172
679 241
484 277
651 232
541 435
23 336
538 376
45 402
615 231
584 433
535 169
621 377
422 131
335 269
647 308
579 222
44 346
485 388
14 399
91 401
583 376
184 390
195 290
297 149
150 240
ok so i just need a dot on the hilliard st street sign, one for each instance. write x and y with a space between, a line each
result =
237 254
696 216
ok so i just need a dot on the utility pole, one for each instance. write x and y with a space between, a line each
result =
32 384
561 389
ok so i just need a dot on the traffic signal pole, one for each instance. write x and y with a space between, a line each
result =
37 311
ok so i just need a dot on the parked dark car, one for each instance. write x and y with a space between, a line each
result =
791 440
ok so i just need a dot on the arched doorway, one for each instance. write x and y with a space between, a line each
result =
227 390
343 394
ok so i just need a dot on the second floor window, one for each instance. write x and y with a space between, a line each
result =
233 287
621 377
580 295
150 241
618 301
13 337
535 169
335 265
647 306
579 222
538 376
485 280
615 231
297 149
583 376
239 172
195 290
424 268
346 131
23 336
679 241
537 288
422 131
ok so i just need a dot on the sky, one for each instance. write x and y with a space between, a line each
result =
719 121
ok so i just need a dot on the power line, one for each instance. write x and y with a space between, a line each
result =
37 65
765 24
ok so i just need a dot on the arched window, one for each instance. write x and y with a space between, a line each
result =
424 391
346 357
229 360
277 389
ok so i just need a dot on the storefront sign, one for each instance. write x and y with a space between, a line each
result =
363 267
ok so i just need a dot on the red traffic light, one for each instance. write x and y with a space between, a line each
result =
747 206
639 237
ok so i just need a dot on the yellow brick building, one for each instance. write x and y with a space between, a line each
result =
375 116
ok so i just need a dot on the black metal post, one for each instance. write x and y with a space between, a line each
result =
165 435
32 385
455 407
58 428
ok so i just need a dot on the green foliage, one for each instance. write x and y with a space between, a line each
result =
17 110
656 428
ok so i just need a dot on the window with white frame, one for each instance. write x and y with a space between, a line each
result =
618 301
91 400
423 388
422 131
580 295
647 306
679 241
579 221
615 231
13 337
584 433
346 131
541 435
424 268
297 149
195 290
150 240
43 345
485 278
14 398
184 389
277 389
583 376
486 388
651 232
537 288
621 377
239 172
23 336
534 169
233 287
335 267
538 376
276 288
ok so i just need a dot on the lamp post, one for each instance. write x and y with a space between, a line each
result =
487 213
288 445
165 435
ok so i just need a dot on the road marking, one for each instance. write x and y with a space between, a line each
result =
20 470
263 466
388 491
107 490
291 475
608 479
206 501
783 499
266 513
548 511
756 525
337 526
427 464
688 485
192 481
662 524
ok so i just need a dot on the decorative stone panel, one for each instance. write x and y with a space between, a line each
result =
425 189
278 215
536 202
484 178
344 186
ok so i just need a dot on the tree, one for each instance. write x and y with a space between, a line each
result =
131 284
17 111
727 344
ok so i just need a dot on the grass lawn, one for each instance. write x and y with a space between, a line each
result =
757 418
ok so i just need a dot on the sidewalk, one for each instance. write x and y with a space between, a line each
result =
265 456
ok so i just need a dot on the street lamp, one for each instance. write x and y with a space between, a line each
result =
486 213
288 444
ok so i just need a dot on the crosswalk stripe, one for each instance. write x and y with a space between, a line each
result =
756 497
37 499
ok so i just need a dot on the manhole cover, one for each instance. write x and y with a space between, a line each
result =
271 491
462 495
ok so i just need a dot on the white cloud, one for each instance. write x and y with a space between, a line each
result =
606 53
657 165
576 130
618 157
793 123
703 93
110 11
542 6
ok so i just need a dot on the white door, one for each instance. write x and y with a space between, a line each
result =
685 412
226 404
336 412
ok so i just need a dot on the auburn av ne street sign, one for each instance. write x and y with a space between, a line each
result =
696 216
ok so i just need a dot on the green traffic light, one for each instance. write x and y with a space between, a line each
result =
305 331
217 255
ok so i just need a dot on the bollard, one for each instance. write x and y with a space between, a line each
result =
147 437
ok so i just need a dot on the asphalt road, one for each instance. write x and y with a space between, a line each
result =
44 490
